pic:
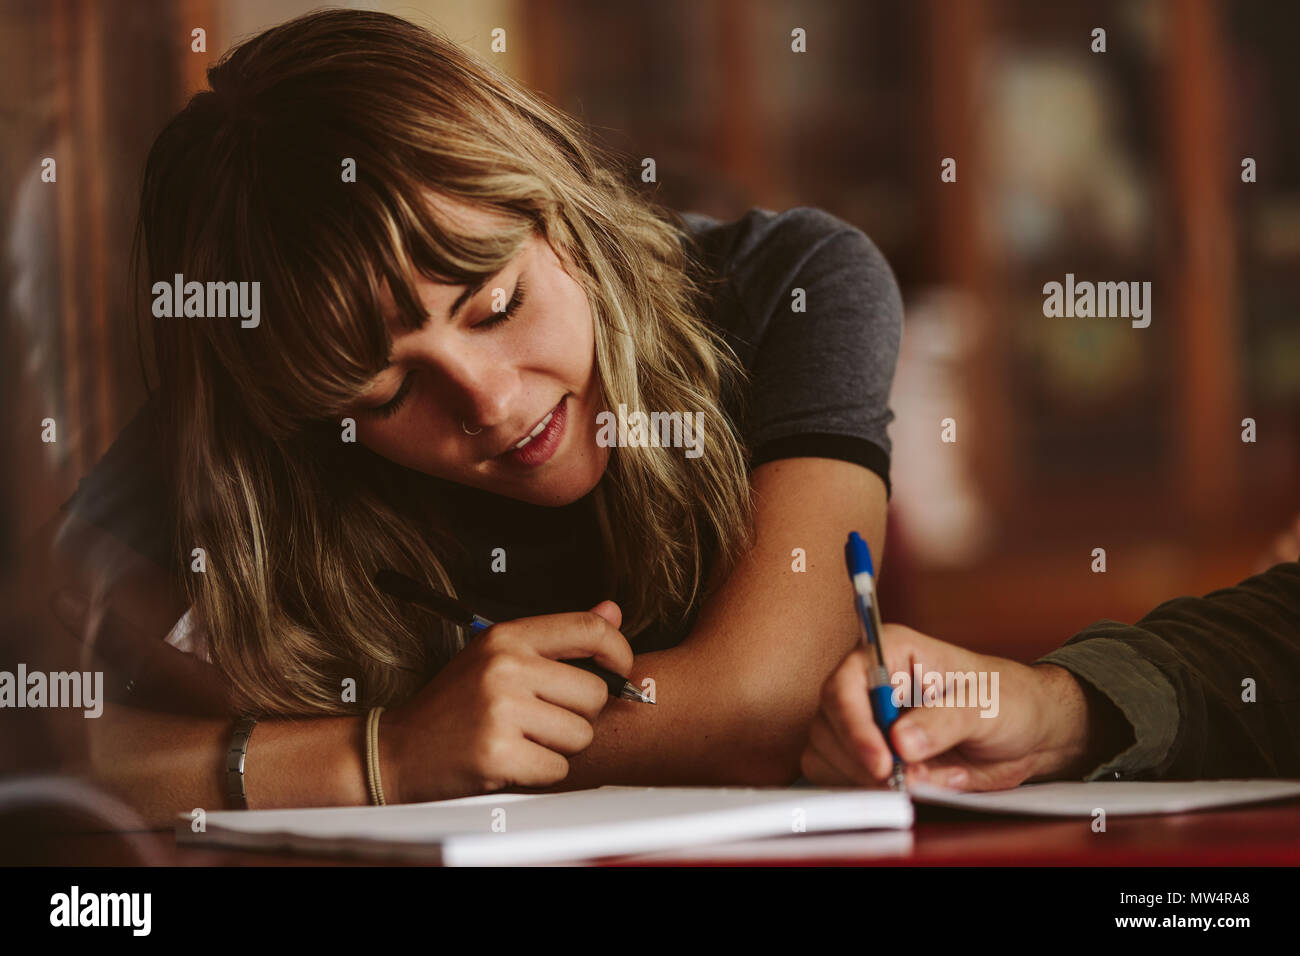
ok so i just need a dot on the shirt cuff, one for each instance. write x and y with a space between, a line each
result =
822 445
1137 688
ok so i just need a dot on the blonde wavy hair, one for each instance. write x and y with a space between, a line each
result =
245 184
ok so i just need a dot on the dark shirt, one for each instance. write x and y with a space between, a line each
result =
1210 686
820 381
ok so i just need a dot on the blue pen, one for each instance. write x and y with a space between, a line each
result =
857 557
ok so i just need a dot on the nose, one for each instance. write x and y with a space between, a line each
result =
479 386
486 408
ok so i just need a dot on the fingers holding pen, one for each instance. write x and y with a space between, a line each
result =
844 736
845 748
922 733
835 763
583 634
846 713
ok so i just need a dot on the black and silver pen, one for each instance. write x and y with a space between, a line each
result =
400 586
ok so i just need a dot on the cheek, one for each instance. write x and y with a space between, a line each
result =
410 441
564 342
385 439
582 336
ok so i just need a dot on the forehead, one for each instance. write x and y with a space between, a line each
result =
438 297
464 217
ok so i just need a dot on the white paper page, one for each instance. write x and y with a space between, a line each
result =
1116 797
537 828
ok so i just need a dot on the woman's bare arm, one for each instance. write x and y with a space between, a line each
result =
501 714
162 763
734 699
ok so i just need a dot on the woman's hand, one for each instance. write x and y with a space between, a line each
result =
1041 724
504 712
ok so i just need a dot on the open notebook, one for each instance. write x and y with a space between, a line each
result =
541 828
513 829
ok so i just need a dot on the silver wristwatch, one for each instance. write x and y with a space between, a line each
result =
235 794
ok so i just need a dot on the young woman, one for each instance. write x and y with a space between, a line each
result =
454 295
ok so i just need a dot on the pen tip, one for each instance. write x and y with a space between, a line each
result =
631 693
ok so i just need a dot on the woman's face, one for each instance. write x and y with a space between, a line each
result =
500 360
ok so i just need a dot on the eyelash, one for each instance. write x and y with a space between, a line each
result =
511 308
391 407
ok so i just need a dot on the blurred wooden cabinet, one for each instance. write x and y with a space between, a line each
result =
1115 166
88 84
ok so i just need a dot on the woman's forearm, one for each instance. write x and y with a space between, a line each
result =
736 696
165 764
706 728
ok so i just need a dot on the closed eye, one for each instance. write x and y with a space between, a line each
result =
511 308
390 407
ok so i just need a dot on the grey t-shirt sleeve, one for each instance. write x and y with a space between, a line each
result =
818 321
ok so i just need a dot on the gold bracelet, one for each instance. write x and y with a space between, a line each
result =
372 757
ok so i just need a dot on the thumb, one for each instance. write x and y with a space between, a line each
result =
610 612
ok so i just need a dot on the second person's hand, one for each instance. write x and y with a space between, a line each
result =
1042 725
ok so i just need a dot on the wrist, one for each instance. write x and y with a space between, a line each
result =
306 763
347 762
1063 712
386 744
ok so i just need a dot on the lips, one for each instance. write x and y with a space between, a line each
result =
537 430
541 441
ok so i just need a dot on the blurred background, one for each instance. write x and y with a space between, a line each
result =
1072 434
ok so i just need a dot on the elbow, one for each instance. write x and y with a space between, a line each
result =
769 736
769 754
769 773
768 769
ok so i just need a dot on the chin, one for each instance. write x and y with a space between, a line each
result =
564 488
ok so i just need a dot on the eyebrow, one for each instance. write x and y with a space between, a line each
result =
469 293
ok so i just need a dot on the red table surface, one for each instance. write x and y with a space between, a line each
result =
1266 835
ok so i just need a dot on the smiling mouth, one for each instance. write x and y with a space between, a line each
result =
537 430
541 427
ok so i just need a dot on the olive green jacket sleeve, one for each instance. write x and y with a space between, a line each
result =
1210 686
